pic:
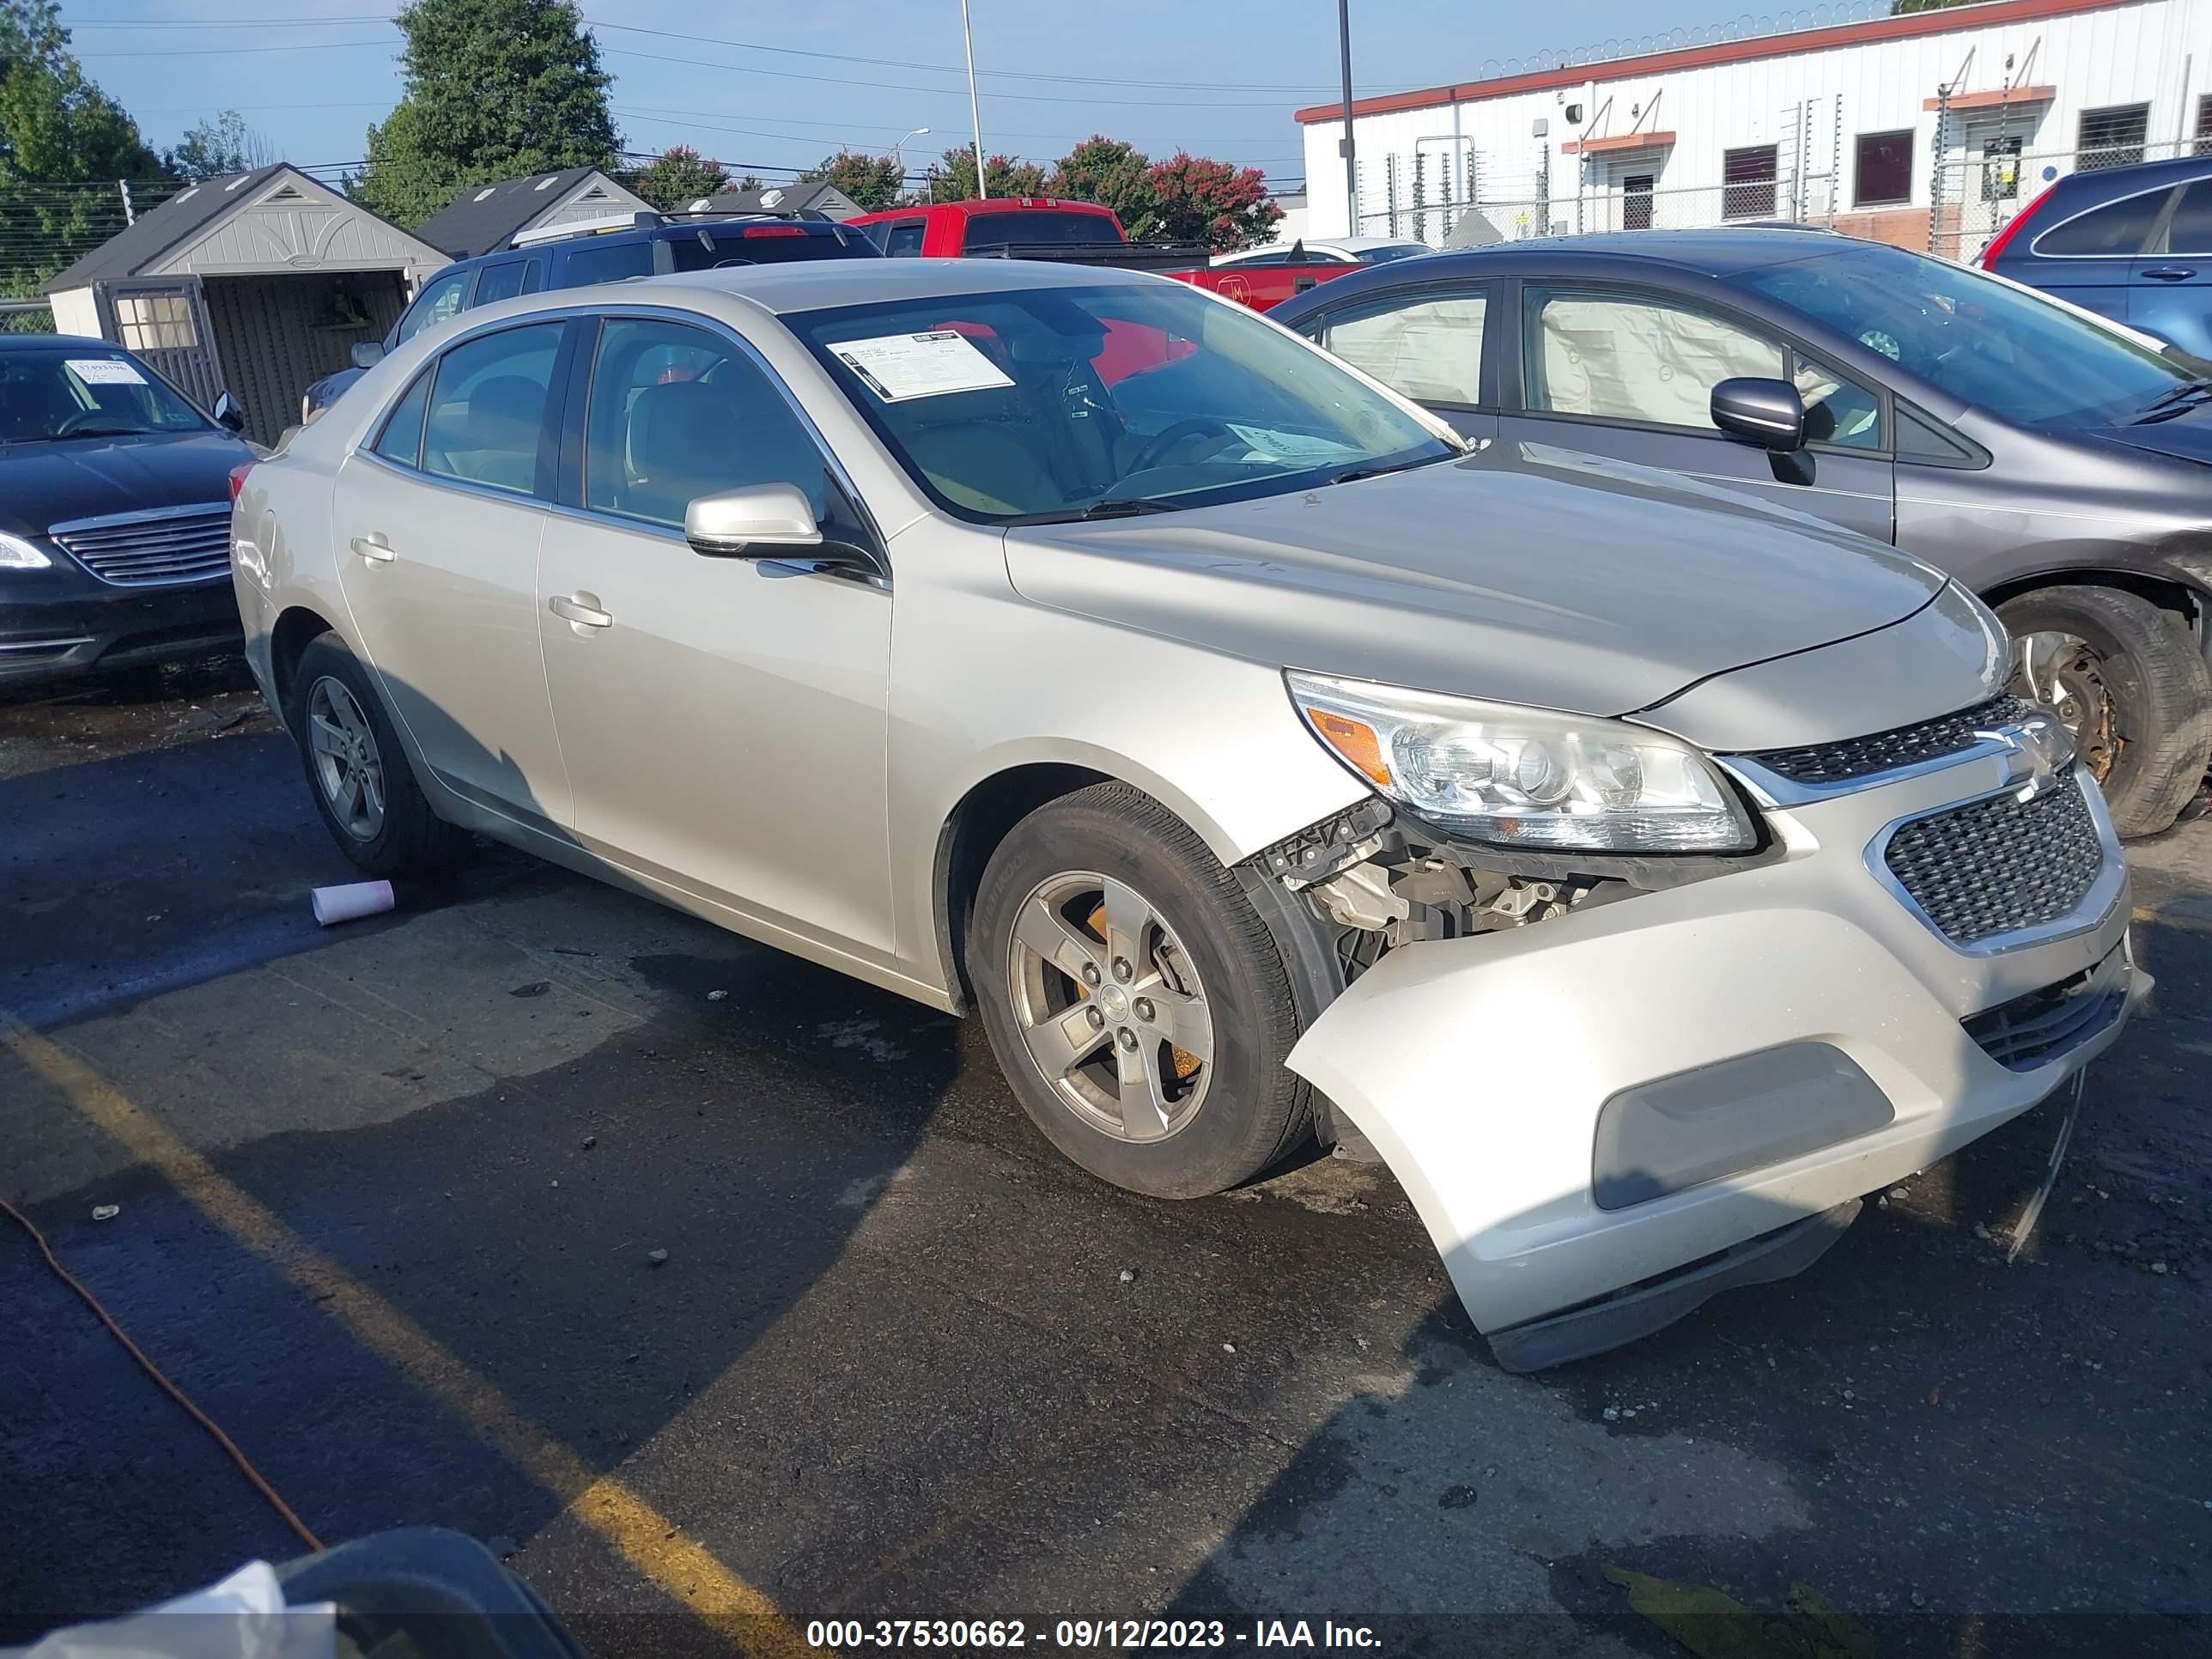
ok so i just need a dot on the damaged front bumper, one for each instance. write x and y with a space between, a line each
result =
1605 1118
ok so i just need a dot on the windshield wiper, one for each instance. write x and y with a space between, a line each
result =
1355 474
110 432
2171 397
1118 506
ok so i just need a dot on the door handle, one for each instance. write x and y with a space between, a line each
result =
582 609
374 548
2170 273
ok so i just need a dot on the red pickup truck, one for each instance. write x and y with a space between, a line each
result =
1077 233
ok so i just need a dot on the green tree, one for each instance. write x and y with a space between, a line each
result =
678 176
1113 173
873 181
953 178
223 145
63 145
1202 200
495 89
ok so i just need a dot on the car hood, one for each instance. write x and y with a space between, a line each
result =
1525 574
2187 437
50 483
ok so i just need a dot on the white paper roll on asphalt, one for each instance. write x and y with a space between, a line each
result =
352 901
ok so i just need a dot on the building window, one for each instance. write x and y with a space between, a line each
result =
155 322
2204 125
1884 177
2112 137
1636 192
2000 168
1747 182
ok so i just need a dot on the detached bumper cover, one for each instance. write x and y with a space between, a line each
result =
1480 1067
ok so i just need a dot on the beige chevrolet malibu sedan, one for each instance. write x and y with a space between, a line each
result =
1644 874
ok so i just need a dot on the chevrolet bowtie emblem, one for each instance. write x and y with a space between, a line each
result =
2037 751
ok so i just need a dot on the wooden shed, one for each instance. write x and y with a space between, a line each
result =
260 284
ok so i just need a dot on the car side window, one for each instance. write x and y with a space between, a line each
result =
2190 231
607 262
904 242
1613 358
501 281
401 440
487 416
437 303
678 412
1428 346
1837 411
2117 230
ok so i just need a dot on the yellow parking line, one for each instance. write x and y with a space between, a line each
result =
2168 918
640 1534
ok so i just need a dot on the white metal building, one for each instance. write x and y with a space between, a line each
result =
1928 130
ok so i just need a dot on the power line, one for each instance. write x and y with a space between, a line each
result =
942 92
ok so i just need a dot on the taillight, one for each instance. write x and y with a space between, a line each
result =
1989 260
774 230
237 480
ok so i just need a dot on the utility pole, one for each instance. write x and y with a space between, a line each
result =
974 109
1344 144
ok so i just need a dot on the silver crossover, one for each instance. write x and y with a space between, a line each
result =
1643 873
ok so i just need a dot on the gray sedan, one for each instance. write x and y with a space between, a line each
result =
2053 464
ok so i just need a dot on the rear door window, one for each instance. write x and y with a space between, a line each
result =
2118 229
904 240
487 421
501 281
607 262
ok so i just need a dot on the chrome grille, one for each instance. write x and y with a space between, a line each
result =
1849 758
1999 866
2035 1030
143 550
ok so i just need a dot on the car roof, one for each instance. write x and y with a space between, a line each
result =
1716 252
809 286
47 341
2115 182
661 233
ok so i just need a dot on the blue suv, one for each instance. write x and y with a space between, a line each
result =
608 250
2132 243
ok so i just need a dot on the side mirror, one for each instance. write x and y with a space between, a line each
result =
759 521
227 414
366 354
1768 413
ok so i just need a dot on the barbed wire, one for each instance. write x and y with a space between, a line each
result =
1747 26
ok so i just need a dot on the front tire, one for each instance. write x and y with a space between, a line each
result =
2129 683
1133 998
357 771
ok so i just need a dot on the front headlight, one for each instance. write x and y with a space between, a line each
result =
1525 777
17 554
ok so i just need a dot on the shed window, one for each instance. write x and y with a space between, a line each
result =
2204 125
155 322
1885 169
2112 137
1747 182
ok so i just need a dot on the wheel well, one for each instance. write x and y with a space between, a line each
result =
294 629
981 820
2177 598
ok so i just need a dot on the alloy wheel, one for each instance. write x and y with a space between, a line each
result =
1110 1007
348 764
2066 675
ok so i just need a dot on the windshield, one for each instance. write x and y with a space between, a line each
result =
1985 342
1062 402
84 391
1042 225
709 247
1382 256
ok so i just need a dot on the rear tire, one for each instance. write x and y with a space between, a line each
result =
357 770
2152 681
1073 882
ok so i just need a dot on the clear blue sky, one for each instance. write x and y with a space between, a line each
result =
171 63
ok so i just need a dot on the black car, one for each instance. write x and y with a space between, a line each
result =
114 512
579 254
2060 468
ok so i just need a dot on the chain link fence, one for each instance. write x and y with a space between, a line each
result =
1456 196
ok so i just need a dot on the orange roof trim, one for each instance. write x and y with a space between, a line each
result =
1907 27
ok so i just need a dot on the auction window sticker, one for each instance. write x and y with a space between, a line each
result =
898 368
104 371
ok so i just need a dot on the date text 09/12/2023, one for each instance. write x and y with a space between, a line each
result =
1084 1634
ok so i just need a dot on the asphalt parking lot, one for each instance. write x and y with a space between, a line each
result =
388 1198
